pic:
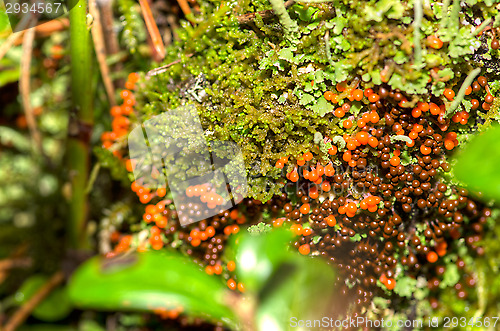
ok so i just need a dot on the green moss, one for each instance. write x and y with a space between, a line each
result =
265 94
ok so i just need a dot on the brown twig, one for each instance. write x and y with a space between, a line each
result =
154 33
15 263
25 310
106 13
184 7
162 69
46 29
247 18
24 85
111 40
49 27
100 50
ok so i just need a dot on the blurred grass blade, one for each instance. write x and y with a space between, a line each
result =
151 281
477 164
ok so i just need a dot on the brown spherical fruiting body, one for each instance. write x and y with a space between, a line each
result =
378 191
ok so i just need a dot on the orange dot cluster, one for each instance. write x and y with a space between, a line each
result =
121 122
206 195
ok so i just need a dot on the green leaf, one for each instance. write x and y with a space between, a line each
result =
8 76
391 8
305 98
339 23
405 286
451 276
322 107
302 289
148 281
4 21
286 283
305 13
54 307
287 54
342 69
400 57
259 256
477 164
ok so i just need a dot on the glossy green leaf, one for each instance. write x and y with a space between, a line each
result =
54 307
9 76
305 13
4 21
148 281
287 285
258 257
477 164
301 289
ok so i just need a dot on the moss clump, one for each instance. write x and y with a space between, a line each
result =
347 131
253 87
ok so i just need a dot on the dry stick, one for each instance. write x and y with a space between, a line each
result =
184 7
162 69
247 18
46 29
100 50
49 27
152 29
24 85
106 13
417 22
15 263
111 41
23 313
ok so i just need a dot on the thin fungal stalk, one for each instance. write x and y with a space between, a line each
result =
454 20
290 26
327 46
481 27
461 93
417 22
444 13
